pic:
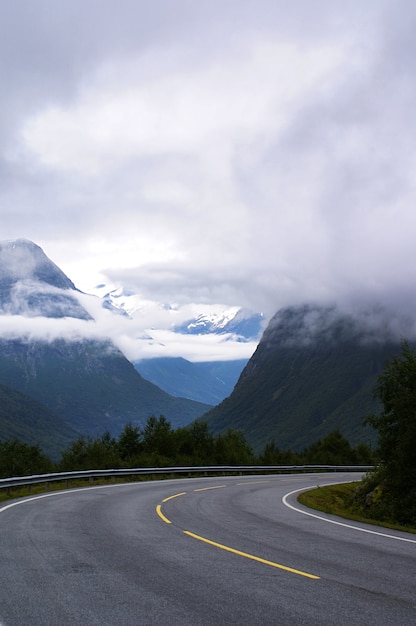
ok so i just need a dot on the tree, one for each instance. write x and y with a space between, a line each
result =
19 459
272 455
194 444
231 448
158 437
87 453
396 425
130 443
334 449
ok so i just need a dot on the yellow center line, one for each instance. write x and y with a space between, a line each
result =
254 482
227 548
252 557
207 488
175 496
163 517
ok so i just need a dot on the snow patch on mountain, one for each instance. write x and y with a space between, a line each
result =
188 319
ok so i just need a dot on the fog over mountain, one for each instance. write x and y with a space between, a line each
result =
313 372
53 355
250 153
38 301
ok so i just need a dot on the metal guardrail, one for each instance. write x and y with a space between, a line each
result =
20 481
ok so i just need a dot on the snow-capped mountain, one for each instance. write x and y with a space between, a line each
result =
195 351
118 299
190 319
235 320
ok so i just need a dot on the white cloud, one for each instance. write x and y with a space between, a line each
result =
215 108
148 333
47 329
247 153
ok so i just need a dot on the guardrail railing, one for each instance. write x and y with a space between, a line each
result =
20 481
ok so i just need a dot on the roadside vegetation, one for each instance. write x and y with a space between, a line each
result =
345 501
387 495
159 445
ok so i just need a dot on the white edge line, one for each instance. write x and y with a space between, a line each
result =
58 493
331 521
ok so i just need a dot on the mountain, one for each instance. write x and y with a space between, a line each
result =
246 325
204 382
234 320
32 286
208 382
49 352
118 299
22 418
89 384
314 371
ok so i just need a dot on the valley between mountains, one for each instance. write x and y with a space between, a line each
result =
313 371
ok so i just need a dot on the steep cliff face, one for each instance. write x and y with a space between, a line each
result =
314 371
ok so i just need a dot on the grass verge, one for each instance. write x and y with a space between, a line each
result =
339 500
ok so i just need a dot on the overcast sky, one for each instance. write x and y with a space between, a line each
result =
244 152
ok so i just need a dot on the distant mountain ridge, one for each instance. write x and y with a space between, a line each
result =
208 382
201 381
314 371
236 320
218 319
86 382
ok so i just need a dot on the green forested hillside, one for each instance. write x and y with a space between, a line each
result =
24 419
313 372
90 385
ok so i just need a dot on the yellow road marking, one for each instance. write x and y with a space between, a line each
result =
175 496
207 488
254 482
159 512
252 557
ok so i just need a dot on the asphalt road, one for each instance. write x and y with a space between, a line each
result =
211 551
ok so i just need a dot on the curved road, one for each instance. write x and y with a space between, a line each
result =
209 551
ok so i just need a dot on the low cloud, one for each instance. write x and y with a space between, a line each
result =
249 154
47 329
146 335
149 333
308 324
